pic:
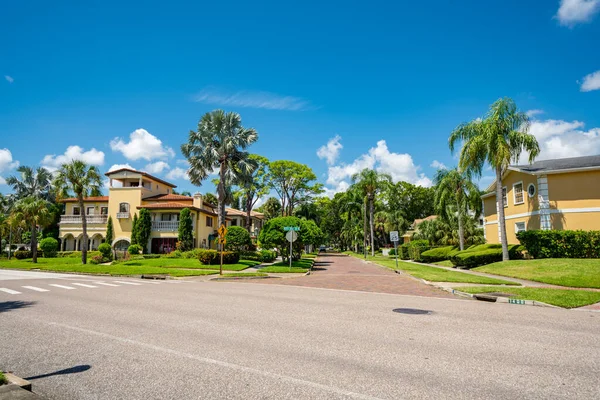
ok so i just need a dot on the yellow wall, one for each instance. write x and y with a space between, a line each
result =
122 227
574 190
530 203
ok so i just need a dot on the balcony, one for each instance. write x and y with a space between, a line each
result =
90 219
123 215
165 226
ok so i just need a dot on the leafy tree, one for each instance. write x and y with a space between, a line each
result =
144 229
33 212
253 185
134 230
272 235
211 199
370 182
237 238
83 180
218 144
497 140
455 187
36 183
271 208
109 231
293 183
414 202
186 231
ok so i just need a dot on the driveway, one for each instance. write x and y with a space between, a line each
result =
339 271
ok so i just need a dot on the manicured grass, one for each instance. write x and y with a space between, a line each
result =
283 270
558 297
189 263
310 255
445 263
242 274
303 263
434 274
74 265
3 379
570 272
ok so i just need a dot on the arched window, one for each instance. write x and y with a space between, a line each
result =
123 207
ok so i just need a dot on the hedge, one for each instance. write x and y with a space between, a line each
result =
134 249
23 254
212 257
437 254
260 256
76 254
49 247
483 254
561 244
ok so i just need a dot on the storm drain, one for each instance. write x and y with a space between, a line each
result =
412 311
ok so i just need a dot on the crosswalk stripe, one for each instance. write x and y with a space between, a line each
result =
62 286
105 284
37 289
85 285
9 291
128 283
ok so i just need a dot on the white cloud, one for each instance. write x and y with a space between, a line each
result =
533 113
438 165
157 167
9 78
6 160
183 162
542 130
178 173
250 99
591 82
142 144
115 167
331 151
52 162
2 181
572 12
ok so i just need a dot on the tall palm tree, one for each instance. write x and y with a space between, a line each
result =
497 140
218 144
455 187
253 185
36 183
370 182
35 213
83 180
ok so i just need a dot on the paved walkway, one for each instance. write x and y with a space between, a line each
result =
338 271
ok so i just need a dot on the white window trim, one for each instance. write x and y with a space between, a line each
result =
515 193
505 188
520 222
534 190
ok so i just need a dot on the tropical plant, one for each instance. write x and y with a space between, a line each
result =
211 199
83 180
33 212
35 183
271 208
218 144
144 229
253 185
185 232
498 139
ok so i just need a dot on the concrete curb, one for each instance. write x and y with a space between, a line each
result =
497 299
15 380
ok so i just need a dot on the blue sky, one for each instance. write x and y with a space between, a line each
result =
383 84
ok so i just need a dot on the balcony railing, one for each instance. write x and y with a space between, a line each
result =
90 219
165 226
123 215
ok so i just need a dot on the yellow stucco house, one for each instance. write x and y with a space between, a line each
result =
550 194
129 191
238 218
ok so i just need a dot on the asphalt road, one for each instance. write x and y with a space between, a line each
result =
226 340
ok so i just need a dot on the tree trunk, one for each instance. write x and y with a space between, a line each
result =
84 238
365 236
461 233
371 214
248 214
221 199
33 243
501 219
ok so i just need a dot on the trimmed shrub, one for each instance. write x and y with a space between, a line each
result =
97 260
483 254
237 238
416 247
212 257
392 252
105 250
23 254
268 255
403 252
174 254
436 254
150 256
76 254
134 249
49 247
561 244
260 256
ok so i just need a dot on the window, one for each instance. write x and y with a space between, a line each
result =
89 211
518 195
504 200
234 222
531 190
76 210
209 221
103 210
520 227
124 207
165 217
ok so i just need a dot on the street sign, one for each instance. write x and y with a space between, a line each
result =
291 228
394 237
222 231
291 236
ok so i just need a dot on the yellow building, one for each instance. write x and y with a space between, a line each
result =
550 194
129 191
238 218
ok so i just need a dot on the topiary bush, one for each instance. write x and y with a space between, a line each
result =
561 244
237 238
483 254
213 257
23 254
49 247
437 254
134 249
105 250
268 255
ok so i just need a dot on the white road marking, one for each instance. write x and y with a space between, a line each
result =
128 283
9 291
37 289
63 286
106 284
152 282
85 285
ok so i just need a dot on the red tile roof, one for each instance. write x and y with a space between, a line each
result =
85 199
147 175
173 206
169 197
233 211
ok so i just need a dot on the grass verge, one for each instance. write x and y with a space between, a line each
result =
3 380
557 297
243 275
283 270
188 263
445 263
570 272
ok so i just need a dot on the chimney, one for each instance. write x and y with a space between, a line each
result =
197 202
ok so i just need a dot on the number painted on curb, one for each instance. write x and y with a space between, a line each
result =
516 301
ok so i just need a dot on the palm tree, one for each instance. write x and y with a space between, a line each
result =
83 180
32 182
370 182
455 187
498 140
35 213
218 144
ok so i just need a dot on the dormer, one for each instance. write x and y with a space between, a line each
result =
126 178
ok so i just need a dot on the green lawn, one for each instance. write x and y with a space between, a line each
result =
189 263
445 263
558 297
570 272
141 267
283 270
243 274
434 274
